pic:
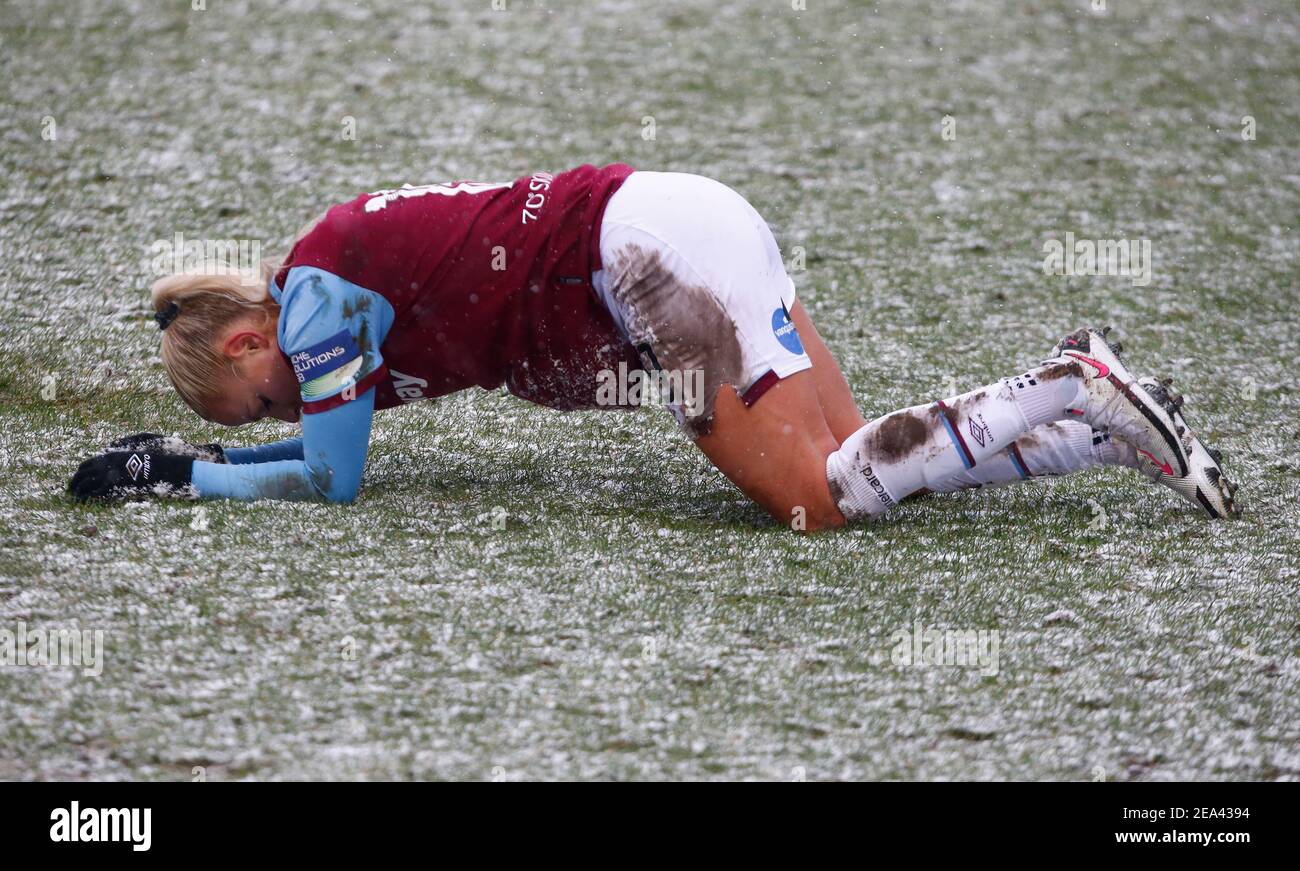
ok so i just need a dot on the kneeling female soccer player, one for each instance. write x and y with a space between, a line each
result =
549 284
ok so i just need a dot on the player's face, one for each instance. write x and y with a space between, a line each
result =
262 383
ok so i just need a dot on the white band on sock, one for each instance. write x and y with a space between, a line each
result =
1043 401
1079 436
856 489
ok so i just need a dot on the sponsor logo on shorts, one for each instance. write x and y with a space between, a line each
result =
786 334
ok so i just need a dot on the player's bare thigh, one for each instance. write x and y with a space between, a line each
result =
838 408
775 451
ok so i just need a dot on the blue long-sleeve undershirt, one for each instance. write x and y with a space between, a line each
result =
330 469
331 331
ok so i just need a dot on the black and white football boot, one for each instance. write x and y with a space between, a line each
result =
1205 485
1114 400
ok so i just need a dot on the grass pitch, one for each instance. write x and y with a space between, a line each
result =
525 594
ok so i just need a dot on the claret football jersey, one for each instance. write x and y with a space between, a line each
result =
420 291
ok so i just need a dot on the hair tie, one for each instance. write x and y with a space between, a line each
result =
167 315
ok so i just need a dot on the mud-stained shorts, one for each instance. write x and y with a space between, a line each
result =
694 280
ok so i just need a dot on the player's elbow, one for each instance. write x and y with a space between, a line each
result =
342 492
335 487
347 496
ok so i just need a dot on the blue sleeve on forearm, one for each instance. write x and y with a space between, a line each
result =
285 449
334 446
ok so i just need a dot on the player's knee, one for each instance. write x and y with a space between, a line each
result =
803 520
822 521
807 509
334 487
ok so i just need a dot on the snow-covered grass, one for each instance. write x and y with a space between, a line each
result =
525 594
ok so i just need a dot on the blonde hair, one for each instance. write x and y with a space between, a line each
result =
206 305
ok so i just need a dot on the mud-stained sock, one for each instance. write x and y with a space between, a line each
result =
1060 448
900 453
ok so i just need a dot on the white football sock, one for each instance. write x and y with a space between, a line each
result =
1043 392
1059 448
926 445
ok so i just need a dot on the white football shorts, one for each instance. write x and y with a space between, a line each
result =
695 282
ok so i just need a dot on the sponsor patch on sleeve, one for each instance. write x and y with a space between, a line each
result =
327 366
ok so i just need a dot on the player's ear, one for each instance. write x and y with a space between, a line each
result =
243 341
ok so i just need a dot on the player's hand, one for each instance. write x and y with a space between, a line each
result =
127 474
156 443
